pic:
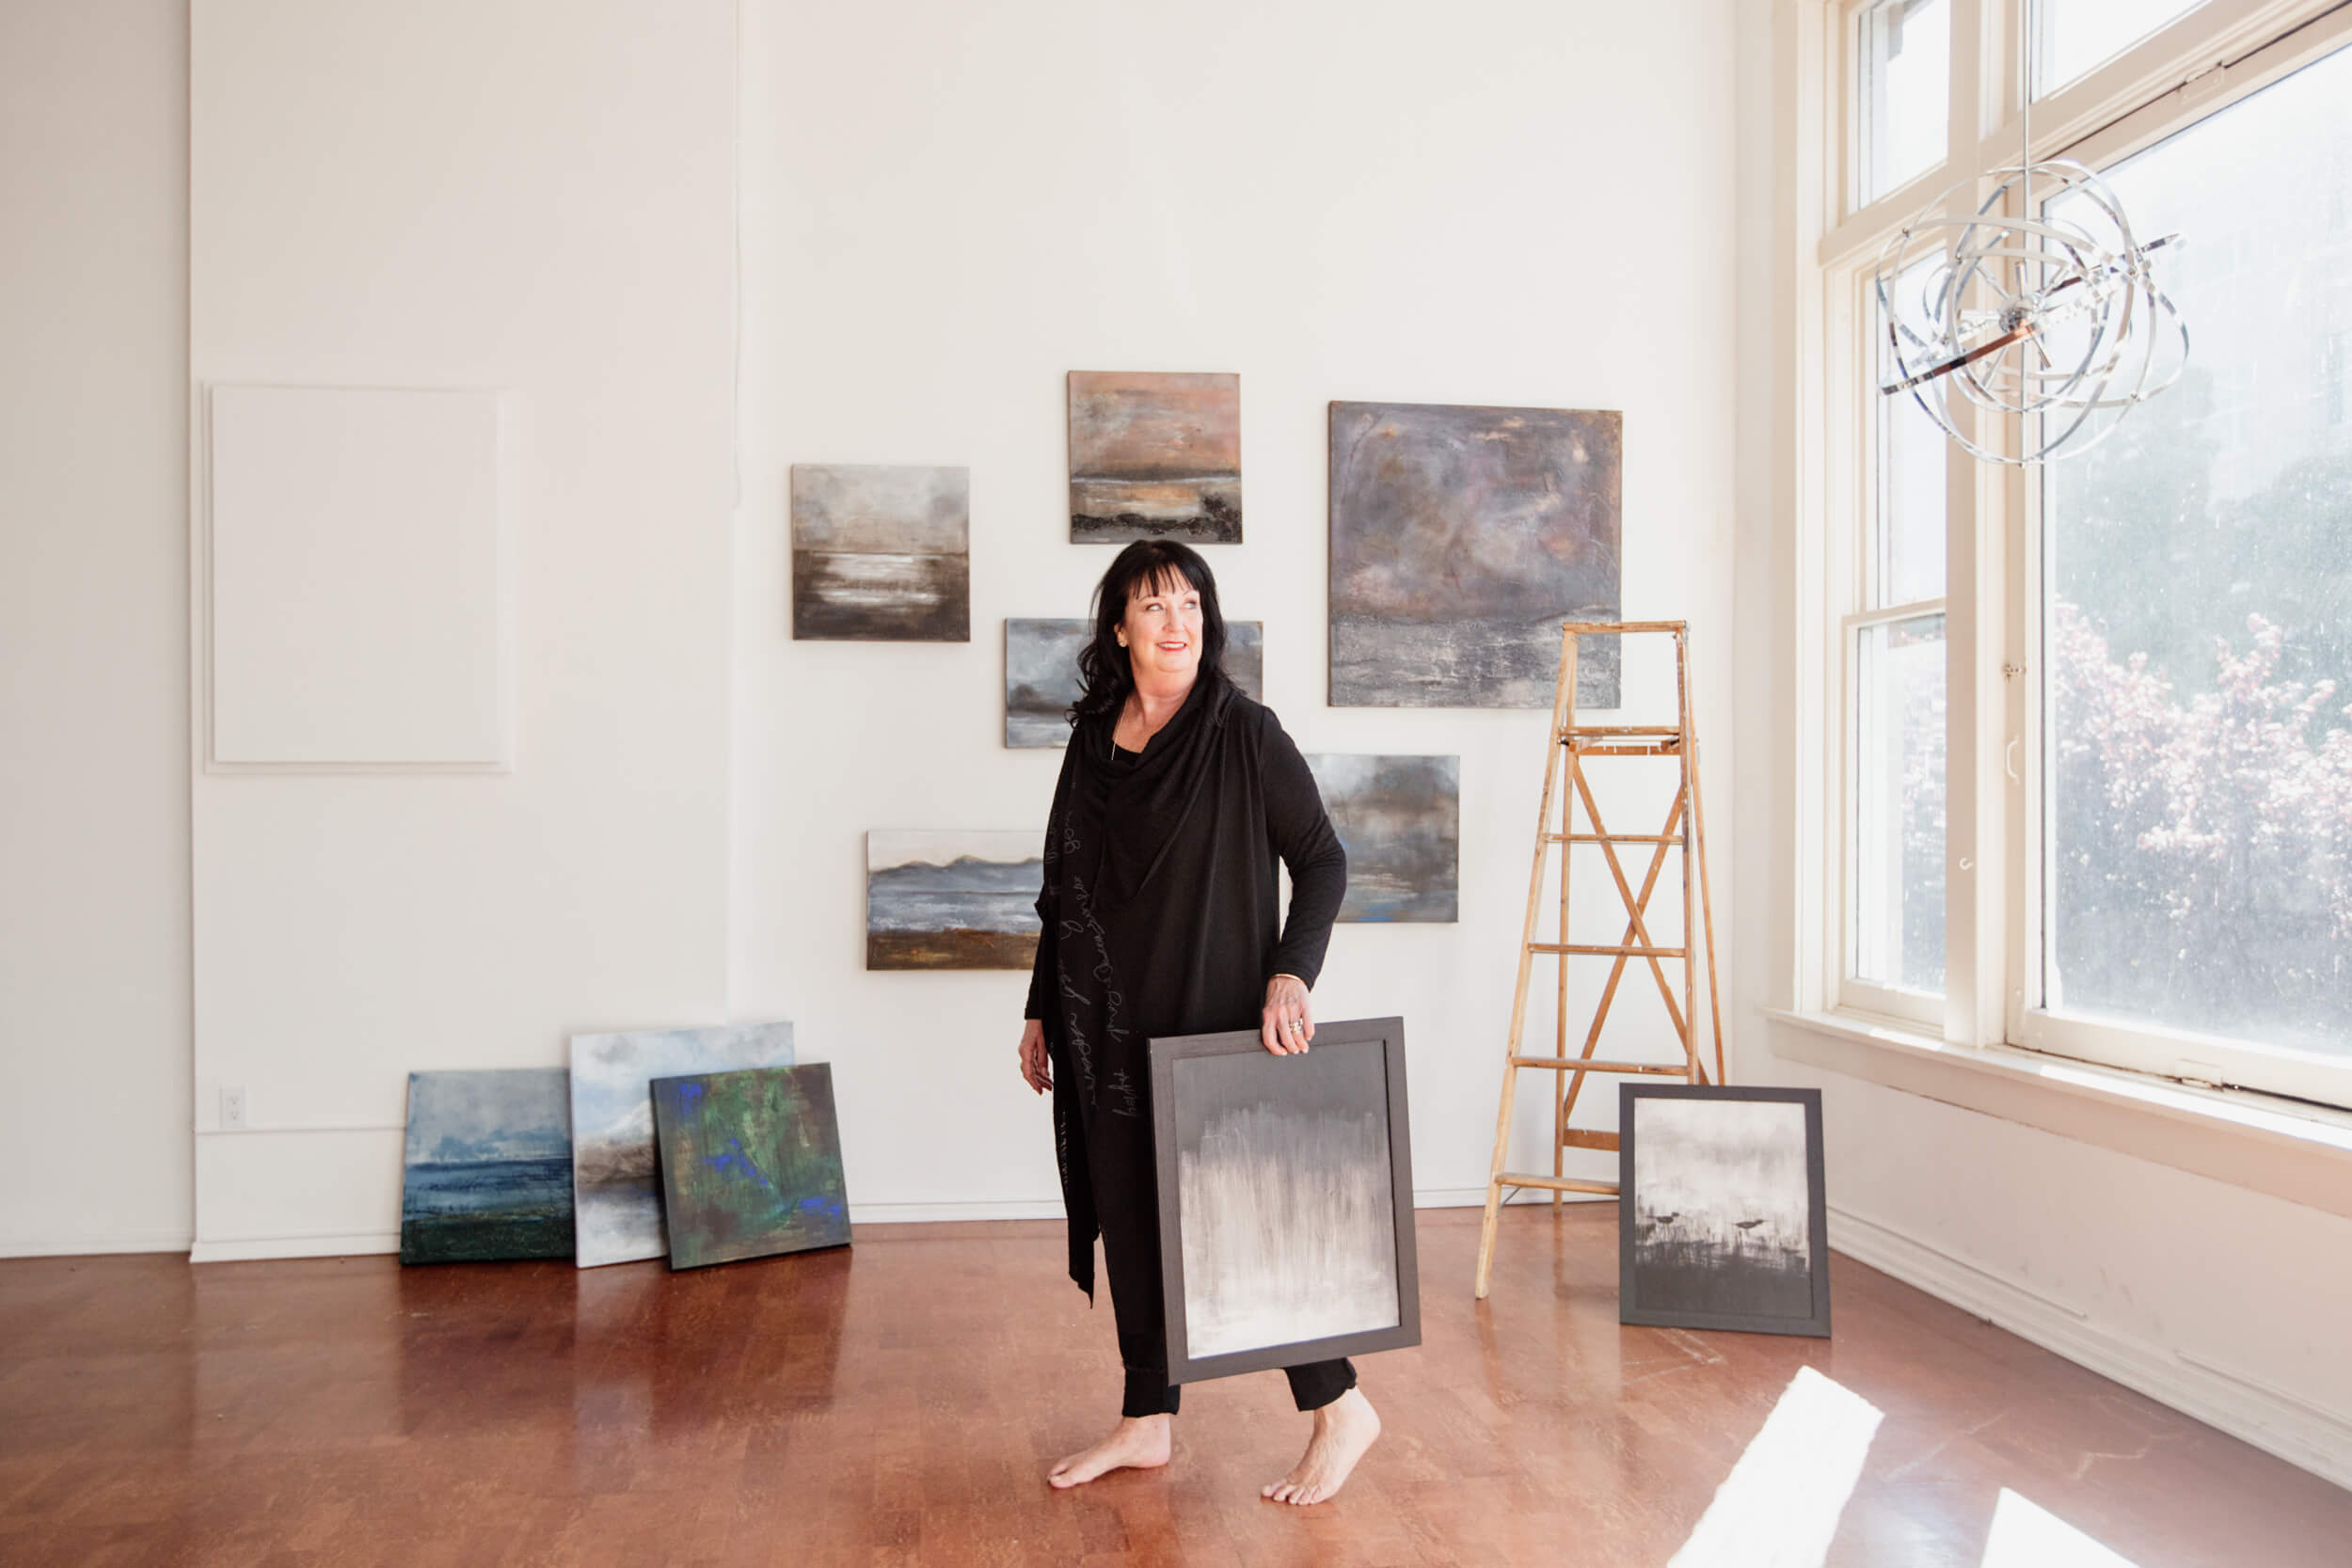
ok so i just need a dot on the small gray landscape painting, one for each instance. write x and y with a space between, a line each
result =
952 899
1042 673
1400 819
1461 538
882 554
615 1184
1722 1208
1155 456
487 1172
1286 1197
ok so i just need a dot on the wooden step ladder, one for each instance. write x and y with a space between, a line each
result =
1574 745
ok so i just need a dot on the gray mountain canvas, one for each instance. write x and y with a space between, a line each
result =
1042 673
954 899
1461 538
881 553
615 1190
1400 819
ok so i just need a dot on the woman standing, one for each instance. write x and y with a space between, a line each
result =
1177 794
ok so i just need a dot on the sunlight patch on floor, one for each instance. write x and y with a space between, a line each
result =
2024 1536
1779 1506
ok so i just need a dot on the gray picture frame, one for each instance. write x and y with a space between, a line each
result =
1371 1054
1745 1295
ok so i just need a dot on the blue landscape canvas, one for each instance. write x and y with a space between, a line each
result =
750 1163
954 899
487 1172
615 1189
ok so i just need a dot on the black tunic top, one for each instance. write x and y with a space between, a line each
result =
1160 918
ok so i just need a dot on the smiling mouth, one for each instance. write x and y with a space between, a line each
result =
1174 647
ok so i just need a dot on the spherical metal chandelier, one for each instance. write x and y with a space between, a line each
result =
2041 304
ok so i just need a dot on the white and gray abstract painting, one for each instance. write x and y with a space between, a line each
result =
881 553
616 1187
1285 1198
1400 819
1042 673
1722 1211
1461 538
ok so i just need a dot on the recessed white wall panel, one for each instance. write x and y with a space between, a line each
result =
357 611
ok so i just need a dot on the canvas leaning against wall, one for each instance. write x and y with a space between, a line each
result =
750 1163
616 1198
953 899
882 554
1154 455
1042 673
1461 538
1400 820
487 1173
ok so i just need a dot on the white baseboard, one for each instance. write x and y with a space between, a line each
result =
92 1246
245 1249
2271 1419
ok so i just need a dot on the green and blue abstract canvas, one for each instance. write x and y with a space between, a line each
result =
750 1163
487 1173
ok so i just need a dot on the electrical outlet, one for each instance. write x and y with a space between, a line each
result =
232 1109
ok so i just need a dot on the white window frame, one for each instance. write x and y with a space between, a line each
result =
2203 61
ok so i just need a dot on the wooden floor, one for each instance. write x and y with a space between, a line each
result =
898 1403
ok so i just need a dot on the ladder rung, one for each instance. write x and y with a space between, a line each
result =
1614 628
1582 1064
1578 1138
1668 749
1622 729
1557 1183
1589 950
1613 838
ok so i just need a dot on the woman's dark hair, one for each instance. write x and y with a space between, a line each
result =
1105 675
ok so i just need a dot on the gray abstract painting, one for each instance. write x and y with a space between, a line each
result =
1154 455
1461 538
1285 1198
1042 673
616 1194
882 554
1400 819
1722 1209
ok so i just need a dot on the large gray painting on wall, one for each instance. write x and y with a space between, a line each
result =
1461 538
1042 673
882 554
1400 819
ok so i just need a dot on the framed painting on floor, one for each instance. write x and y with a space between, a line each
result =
1286 1198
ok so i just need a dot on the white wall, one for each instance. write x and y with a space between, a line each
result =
93 629
947 206
534 198
2225 1302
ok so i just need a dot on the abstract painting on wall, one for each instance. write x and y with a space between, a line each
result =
1461 538
882 554
1042 673
750 1163
954 899
1155 456
1721 1219
1400 819
614 1188
487 1172
1286 1198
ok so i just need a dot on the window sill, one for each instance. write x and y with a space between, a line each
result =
2289 1149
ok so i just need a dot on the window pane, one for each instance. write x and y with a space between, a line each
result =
1904 87
1906 546
2076 35
1898 803
2197 622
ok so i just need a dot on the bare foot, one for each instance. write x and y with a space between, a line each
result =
1344 1430
1138 1443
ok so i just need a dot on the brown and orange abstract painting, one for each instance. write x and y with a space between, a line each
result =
1154 455
1461 538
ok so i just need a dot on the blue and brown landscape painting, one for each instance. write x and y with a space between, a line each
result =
952 899
489 1168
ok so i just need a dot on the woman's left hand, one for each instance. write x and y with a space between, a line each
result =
1289 1022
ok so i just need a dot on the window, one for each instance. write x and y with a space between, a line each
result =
2147 836
1904 50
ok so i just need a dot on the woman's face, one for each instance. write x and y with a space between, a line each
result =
1161 632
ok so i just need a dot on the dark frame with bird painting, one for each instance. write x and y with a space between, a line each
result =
1286 1198
1722 1220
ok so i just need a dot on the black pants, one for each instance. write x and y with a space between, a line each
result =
1137 1304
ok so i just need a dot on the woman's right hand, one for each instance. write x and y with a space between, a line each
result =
1036 1068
